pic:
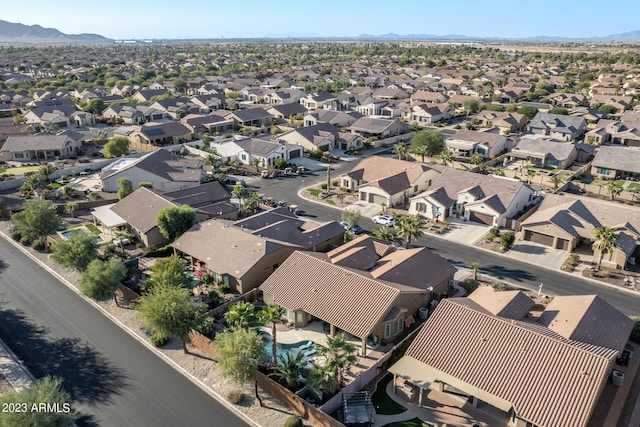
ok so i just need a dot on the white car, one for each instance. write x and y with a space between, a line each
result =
384 220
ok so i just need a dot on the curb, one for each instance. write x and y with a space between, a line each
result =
134 335
14 370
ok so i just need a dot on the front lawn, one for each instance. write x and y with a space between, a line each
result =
384 404
413 422
92 228
331 202
633 187
21 170
315 192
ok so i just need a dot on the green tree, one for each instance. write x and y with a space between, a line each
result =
180 84
70 208
46 170
125 187
389 234
608 109
556 180
409 227
434 141
170 311
528 111
511 108
48 127
239 192
401 150
475 266
559 110
241 314
77 251
322 380
66 191
507 239
252 202
255 162
340 355
116 146
99 135
272 314
604 241
471 106
38 219
46 390
447 157
614 188
31 183
169 271
173 221
351 217
239 352
290 368
476 159
280 163
95 106
101 278
420 150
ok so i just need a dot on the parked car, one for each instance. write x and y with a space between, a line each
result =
384 220
356 229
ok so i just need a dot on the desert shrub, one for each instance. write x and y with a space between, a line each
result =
15 235
224 288
575 258
316 154
470 285
499 286
207 278
158 340
25 240
507 239
235 396
323 185
335 183
344 189
38 244
293 421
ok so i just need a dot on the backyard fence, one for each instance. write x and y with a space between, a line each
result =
217 312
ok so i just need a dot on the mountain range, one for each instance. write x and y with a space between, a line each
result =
19 33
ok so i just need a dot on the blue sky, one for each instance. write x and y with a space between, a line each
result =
140 19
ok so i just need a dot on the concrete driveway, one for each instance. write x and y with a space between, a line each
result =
366 209
464 231
538 254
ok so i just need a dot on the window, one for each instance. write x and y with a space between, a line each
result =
421 207
399 325
244 157
603 171
387 330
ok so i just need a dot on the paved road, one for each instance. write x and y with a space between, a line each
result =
112 378
507 269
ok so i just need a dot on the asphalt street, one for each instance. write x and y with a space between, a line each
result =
113 379
521 273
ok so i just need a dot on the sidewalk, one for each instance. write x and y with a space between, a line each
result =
13 369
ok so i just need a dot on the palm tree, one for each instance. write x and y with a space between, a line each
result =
31 183
556 181
322 380
604 240
614 188
252 202
70 208
239 192
290 368
475 266
421 150
401 149
447 157
240 314
256 163
385 233
273 314
340 354
120 236
66 191
46 170
409 227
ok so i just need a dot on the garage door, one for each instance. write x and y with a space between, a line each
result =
376 198
544 239
481 218
294 153
562 244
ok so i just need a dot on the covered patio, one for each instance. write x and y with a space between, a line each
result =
106 219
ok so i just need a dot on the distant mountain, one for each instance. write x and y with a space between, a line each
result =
20 33
633 36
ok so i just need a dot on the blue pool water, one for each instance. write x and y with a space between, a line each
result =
67 233
284 348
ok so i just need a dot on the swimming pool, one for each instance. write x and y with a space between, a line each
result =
307 347
68 232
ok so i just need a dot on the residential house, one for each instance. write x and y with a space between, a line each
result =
236 257
423 114
331 287
284 96
379 128
423 96
565 128
39 147
340 119
557 367
165 170
159 133
614 132
281 224
565 222
620 102
287 111
373 107
616 162
464 143
389 181
389 93
140 209
506 122
321 100
201 123
266 151
545 154
251 117
486 199
323 137
145 95
568 100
